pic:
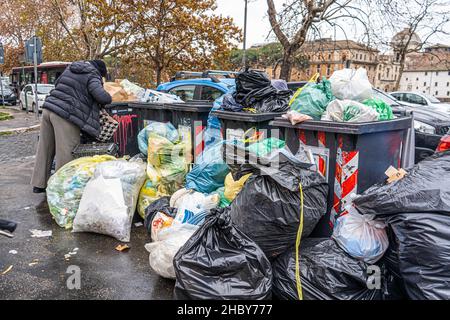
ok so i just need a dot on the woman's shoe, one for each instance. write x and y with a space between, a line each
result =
38 190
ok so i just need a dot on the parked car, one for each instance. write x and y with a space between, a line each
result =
444 144
206 86
27 99
8 94
421 99
430 125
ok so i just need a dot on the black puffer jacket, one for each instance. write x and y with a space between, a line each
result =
77 96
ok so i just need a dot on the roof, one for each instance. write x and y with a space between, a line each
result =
425 61
329 44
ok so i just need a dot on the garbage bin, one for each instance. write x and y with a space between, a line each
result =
352 156
130 124
151 111
190 119
235 124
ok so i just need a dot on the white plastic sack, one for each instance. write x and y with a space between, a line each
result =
361 236
131 175
338 108
163 251
132 89
161 97
191 203
350 84
102 209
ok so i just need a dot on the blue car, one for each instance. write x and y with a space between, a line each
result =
204 86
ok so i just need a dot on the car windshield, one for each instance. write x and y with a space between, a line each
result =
431 98
44 89
387 98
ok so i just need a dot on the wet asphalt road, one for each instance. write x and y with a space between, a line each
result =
105 272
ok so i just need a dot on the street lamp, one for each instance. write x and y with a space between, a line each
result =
244 56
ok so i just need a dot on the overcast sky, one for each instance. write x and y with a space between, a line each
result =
258 26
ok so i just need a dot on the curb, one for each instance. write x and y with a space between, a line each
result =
21 130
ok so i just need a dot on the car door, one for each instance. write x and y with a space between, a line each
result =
29 97
209 93
416 99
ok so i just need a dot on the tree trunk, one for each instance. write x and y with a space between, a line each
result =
286 65
158 75
400 72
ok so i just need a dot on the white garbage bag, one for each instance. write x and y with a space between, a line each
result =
96 214
170 240
350 84
361 236
349 111
102 209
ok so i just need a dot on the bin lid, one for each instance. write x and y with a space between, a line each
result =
147 105
190 106
117 104
400 123
246 116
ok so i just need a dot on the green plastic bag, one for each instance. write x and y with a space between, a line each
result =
314 99
223 202
266 146
381 107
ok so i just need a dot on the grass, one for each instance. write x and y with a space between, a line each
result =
6 133
5 116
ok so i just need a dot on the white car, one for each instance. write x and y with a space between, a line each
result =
27 98
422 99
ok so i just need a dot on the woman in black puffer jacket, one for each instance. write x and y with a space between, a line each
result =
72 107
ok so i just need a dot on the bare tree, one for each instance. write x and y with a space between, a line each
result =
299 18
408 20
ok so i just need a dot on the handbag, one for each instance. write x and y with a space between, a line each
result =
108 126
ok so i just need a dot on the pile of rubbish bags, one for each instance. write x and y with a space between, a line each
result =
346 97
417 211
257 94
96 194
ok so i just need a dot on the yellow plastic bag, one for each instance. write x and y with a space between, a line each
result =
148 194
66 187
232 188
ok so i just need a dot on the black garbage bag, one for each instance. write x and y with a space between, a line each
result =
229 104
221 262
160 205
248 81
326 273
426 188
255 90
267 209
393 285
423 254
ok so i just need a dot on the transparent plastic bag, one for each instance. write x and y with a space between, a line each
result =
166 130
162 252
350 84
349 111
361 236
148 194
132 89
103 210
132 176
66 187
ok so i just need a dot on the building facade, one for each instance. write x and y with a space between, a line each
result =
326 56
428 72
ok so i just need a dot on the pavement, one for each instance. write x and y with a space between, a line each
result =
39 268
22 121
